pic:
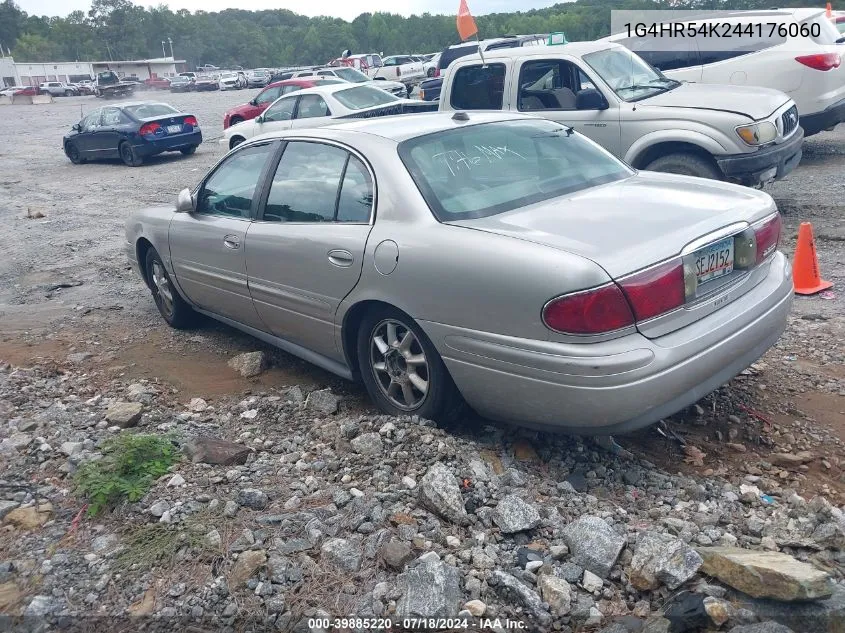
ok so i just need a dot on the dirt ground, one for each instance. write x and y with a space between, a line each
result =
66 287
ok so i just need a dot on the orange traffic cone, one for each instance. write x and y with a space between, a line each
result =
805 266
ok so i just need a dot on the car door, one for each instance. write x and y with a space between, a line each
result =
277 117
207 246
311 111
107 137
305 251
551 87
85 138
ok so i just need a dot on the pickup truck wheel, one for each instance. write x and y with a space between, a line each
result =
687 165
172 307
129 156
402 371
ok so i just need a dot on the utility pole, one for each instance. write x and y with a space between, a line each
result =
163 53
169 41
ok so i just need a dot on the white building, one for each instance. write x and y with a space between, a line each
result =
31 74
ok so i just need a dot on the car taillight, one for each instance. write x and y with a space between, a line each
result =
192 121
149 128
437 71
820 61
767 236
655 291
595 311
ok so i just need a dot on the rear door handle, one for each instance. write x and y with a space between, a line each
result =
341 258
232 241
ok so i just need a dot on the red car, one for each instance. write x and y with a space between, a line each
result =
267 96
28 91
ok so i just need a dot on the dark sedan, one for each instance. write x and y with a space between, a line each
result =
132 132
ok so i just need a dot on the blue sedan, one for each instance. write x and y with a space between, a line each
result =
132 132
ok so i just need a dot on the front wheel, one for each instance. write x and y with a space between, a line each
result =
172 307
401 369
187 151
686 164
73 153
235 141
129 156
68 93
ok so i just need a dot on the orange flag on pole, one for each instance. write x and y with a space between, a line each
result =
828 11
466 23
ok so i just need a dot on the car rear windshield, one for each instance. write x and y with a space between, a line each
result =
350 74
148 110
361 97
487 169
827 31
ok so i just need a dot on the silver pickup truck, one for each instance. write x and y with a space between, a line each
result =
740 134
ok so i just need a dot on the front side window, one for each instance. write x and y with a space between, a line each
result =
312 107
315 182
364 97
282 110
268 96
487 169
628 75
229 191
479 87
91 122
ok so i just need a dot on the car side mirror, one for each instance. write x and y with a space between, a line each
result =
185 202
590 99
259 119
76 127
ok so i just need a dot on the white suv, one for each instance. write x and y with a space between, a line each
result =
791 50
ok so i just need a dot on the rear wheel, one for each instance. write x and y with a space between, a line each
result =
235 141
430 72
129 156
686 164
172 307
402 370
187 151
73 154
68 93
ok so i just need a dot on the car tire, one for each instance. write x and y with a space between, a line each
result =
73 154
429 72
235 120
129 156
235 141
187 151
686 164
68 93
172 307
392 382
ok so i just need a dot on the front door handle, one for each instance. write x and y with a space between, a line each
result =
340 257
232 241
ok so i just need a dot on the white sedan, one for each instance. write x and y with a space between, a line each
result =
323 105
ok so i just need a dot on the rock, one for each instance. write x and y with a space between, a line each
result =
342 554
247 565
594 618
429 590
766 574
124 414
176 481
210 450
213 539
409 482
104 542
515 515
322 402
790 459
41 606
282 569
159 508
578 482
591 582
71 448
395 554
571 572
10 595
594 544
662 558
197 405
686 613
657 624
6 507
559 552
557 592
252 498
511 589
717 610
762 627
248 364
476 608
28 518
818 615
439 493
368 444
145 606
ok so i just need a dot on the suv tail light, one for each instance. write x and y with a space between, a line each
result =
595 311
656 290
767 236
149 128
191 120
820 61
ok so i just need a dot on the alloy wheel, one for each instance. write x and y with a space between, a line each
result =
399 364
161 289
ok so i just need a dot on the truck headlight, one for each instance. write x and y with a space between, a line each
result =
758 133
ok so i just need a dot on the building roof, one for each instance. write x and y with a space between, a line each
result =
155 60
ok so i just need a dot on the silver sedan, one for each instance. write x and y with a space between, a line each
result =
497 260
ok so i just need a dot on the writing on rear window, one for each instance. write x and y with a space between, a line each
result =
456 161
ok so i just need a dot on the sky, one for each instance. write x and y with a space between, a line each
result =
334 8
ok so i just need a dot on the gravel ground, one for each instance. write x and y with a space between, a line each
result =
757 464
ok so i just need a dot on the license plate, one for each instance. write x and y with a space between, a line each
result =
714 261
174 129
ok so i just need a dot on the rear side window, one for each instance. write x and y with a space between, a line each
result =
479 87
451 54
712 50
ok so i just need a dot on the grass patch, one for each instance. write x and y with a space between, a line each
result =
129 466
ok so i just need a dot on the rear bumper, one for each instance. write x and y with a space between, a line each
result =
150 148
827 118
618 385
765 165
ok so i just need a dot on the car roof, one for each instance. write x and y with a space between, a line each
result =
330 89
574 49
298 81
132 104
